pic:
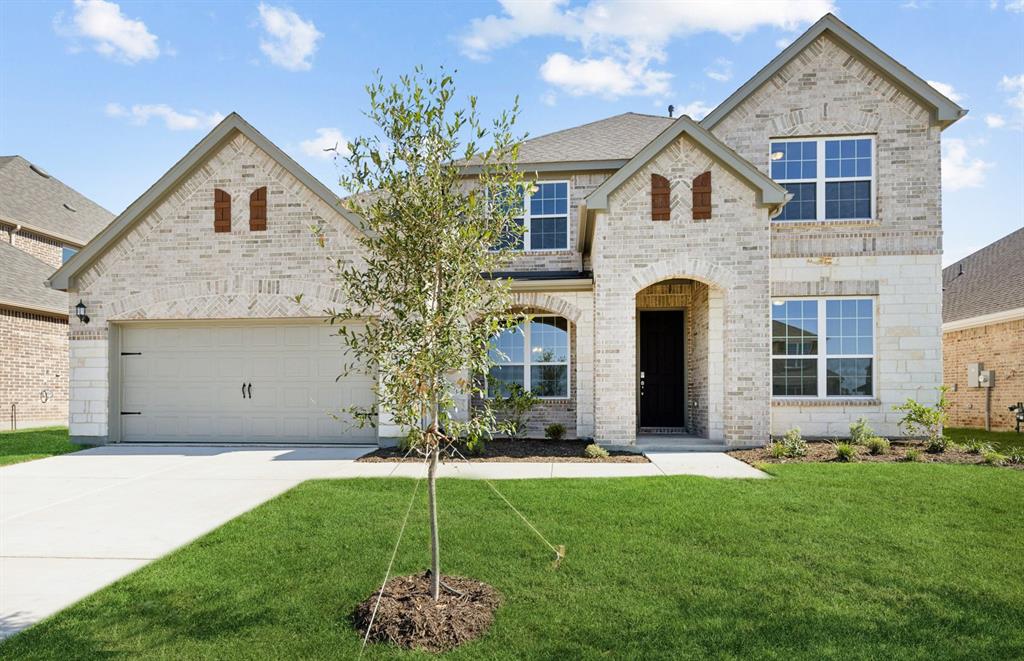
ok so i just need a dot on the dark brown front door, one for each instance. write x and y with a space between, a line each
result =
662 369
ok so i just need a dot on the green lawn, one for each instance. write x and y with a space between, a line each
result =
860 561
1002 440
28 444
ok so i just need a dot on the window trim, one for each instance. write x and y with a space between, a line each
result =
528 217
822 355
820 180
528 363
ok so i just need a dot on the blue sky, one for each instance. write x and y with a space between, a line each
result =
107 95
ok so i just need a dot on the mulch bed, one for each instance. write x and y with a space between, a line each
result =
821 451
524 449
409 618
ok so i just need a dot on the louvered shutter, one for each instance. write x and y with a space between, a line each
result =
221 211
702 197
258 210
661 198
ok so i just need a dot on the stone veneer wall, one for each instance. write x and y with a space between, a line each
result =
171 265
729 253
998 347
33 360
825 90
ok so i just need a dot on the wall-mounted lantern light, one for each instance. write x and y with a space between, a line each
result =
80 312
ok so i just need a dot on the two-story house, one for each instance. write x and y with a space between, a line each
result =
42 223
776 264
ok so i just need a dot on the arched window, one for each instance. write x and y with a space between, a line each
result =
221 211
534 355
258 210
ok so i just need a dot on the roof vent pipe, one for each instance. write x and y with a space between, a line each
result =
671 109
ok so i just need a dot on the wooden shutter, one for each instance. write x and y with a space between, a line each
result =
258 210
221 211
702 197
661 198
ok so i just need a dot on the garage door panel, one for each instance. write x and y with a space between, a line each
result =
265 367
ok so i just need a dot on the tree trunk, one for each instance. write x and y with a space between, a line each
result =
435 551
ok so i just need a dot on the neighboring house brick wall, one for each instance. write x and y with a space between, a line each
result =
171 265
998 347
729 252
33 361
41 247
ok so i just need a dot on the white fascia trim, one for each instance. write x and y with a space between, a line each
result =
984 320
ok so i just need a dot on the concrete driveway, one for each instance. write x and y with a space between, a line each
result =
72 524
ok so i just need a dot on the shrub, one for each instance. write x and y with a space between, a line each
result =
936 444
845 451
977 447
927 421
515 409
913 454
1015 456
595 451
777 450
877 445
554 432
793 444
860 432
994 458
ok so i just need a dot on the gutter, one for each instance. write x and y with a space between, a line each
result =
33 308
19 226
983 320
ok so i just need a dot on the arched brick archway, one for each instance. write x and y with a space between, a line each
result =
548 303
684 267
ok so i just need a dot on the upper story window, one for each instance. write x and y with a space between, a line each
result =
534 355
830 178
67 253
544 214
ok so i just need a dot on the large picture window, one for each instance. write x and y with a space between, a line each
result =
830 178
840 366
544 214
534 355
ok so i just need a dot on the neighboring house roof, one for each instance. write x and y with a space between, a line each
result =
986 282
41 203
946 111
23 283
221 133
606 144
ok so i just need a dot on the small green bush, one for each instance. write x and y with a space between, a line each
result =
845 451
554 432
936 444
977 447
1015 456
877 445
860 432
793 444
595 451
776 450
913 454
994 458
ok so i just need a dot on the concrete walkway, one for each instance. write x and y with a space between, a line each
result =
72 524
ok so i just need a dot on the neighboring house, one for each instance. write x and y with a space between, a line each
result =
983 329
42 223
776 264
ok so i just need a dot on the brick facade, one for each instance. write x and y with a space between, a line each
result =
998 347
41 247
33 370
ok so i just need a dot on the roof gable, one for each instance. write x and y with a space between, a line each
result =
769 192
945 111
988 281
223 132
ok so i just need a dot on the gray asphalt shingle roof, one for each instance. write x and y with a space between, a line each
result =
22 282
615 138
992 280
39 201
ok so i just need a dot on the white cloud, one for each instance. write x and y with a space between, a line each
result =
1014 85
947 90
549 98
695 109
289 42
112 33
960 170
140 114
327 143
995 121
782 43
1016 6
623 40
721 70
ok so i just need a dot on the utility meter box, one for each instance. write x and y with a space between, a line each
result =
985 378
973 373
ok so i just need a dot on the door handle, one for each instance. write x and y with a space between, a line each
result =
250 391
243 389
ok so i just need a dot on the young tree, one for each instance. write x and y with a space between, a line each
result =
430 312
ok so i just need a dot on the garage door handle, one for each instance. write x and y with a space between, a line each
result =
250 391
243 390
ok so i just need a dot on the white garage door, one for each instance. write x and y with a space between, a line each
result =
246 382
